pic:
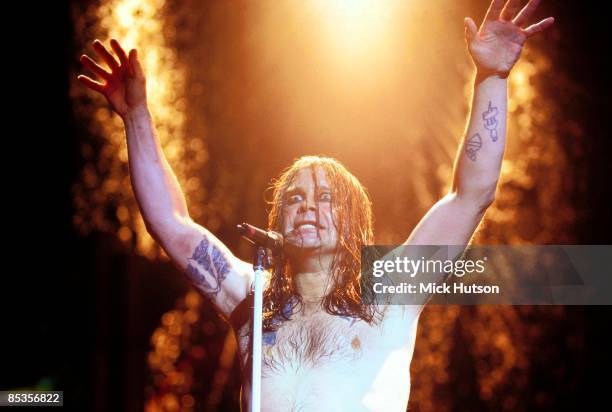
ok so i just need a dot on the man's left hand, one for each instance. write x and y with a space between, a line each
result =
497 45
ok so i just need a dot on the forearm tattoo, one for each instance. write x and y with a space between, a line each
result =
473 145
207 268
490 121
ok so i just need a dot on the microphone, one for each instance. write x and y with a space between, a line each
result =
260 237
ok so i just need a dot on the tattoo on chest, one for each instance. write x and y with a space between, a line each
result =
349 319
207 268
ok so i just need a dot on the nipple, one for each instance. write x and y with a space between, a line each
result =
356 343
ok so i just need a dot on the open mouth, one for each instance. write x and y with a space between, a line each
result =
308 226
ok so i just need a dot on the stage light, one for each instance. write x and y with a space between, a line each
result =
355 25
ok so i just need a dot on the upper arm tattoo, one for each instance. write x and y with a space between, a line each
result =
208 268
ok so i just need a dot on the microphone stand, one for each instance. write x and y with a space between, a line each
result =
264 240
258 267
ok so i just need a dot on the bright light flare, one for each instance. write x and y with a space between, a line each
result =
356 27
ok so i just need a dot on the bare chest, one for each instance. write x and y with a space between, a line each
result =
309 343
331 363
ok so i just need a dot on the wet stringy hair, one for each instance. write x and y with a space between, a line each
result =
353 221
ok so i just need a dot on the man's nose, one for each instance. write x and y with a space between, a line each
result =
308 204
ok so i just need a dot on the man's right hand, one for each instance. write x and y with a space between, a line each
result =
124 86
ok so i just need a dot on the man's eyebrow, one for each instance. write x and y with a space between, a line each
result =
293 190
299 189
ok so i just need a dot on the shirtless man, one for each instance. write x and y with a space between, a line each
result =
322 350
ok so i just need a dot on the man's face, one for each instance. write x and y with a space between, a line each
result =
303 204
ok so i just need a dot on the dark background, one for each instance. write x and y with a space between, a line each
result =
64 299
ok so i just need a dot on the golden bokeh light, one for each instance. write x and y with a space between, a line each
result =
105 181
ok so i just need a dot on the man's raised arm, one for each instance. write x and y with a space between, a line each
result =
212 268
494 48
